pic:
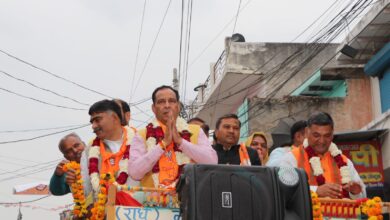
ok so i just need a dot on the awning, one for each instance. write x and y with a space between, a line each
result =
316 86
358 135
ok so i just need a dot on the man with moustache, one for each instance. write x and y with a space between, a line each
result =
229 151
165 145
71 146
108 153
330 173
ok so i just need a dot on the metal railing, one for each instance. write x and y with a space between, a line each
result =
208 85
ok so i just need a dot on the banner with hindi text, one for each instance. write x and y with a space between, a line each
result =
145 213
367 159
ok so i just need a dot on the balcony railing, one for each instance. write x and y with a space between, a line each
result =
212 79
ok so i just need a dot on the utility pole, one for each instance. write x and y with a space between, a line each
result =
175 85
175 81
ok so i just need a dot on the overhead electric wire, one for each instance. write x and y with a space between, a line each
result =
138 113
137 54
227 51
11 163
41 136
28 173
235 20
261 78
280 52
31 166
181 39
289 58
275 89
39 129
360 7
40 101
52 74
19 159
147 121
216 36
41 88
151 49
139 101
188 43
142 111
22 202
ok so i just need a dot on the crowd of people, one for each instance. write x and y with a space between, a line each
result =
154 155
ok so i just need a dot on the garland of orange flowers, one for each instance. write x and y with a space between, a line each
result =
80 208
97 211
316 206
373 208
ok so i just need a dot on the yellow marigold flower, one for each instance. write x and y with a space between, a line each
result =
370 202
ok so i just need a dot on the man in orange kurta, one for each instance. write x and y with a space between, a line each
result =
330 173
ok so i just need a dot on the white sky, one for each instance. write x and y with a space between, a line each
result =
94 43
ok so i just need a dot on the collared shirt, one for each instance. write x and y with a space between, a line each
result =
232 155
142 161
112 146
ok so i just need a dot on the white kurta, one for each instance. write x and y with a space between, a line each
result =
114 146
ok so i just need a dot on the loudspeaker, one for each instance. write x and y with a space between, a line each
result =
229 192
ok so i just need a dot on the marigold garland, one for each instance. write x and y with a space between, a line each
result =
98 210
373 208
318 171
80 208
154 134
316 206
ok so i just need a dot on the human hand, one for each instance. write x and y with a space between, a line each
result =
70 177
59 169
353 187
331 190
176 136
169 129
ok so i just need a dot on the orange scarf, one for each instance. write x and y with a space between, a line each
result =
331 170
244 156
169 170
106 156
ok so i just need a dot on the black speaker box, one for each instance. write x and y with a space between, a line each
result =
228 192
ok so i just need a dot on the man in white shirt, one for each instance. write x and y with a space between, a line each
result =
330 173
108 152
297 133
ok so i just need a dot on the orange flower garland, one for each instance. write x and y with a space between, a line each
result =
77 189
373 208
98 210
316 206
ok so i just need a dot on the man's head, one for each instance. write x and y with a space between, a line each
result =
319 132
71 146
297 132
165 103
105 118
125 111
227 130
201 123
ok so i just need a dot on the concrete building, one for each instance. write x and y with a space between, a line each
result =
266 82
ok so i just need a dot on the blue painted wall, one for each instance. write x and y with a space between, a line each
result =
384 85
242 113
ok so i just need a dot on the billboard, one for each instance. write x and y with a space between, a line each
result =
367 159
